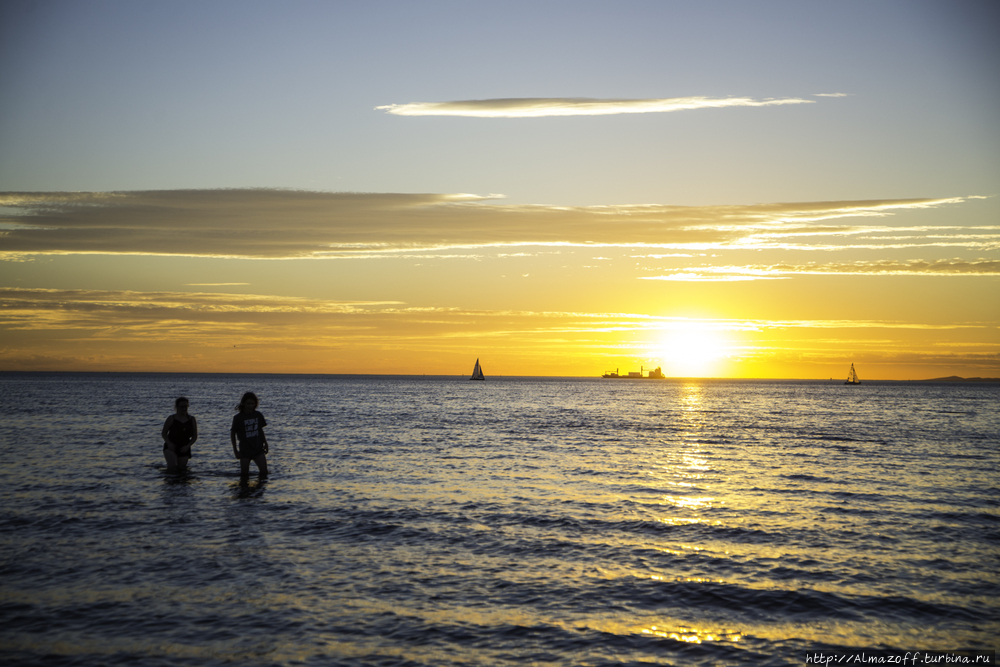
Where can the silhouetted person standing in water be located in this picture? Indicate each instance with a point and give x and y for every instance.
(179, 433)
(248, 429)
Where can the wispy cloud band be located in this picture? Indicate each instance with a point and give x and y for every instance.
(954, 267)
(34, 309)
(280, 224)
(537, 107)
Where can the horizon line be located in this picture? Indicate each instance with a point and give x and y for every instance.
(947, 378)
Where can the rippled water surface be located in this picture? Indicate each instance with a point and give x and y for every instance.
(436, 521)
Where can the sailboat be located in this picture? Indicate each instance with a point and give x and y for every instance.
(477, 372)
(852, 377)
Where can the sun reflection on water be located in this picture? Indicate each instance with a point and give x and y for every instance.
(683, 521)
(693, 635)
(704, 502)
(692, 396)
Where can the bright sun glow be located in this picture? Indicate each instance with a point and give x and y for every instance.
(692, 352)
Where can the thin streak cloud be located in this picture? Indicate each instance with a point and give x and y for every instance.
(697, 277)
(538, 107)
(955, 267)
(945, 267)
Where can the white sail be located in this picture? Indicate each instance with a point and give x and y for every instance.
(477, 372)
(852, 377)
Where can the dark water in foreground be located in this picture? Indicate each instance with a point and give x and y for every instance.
(413, 521)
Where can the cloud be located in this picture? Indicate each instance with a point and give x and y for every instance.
(283, 224)
(34, 309)
(914, 267)
(155, 304)
(537, 107)
(832, 95)
(701, 277)
(125, 315)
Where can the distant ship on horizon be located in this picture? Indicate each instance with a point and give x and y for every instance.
(477, 372)
(852, 377)
(656, 374)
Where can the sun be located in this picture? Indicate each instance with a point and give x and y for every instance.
(692, 351)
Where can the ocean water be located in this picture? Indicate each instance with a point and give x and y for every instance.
(436, 521)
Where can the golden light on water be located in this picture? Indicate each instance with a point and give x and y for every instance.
(692, 635)
(687, 521)
(693, 462)
(689, 503)
(691, 398)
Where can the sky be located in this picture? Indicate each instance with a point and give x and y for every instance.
(772, 189)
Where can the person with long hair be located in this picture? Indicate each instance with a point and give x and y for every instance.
(180, 431)
(248, 431)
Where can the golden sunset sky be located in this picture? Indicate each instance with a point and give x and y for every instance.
(722, 189)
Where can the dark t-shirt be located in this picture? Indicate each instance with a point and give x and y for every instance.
(247, 429)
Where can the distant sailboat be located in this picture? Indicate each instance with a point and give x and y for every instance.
(477, 372)
(852, 377)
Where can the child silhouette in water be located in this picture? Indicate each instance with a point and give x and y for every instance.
(248, 429)
(179, 433)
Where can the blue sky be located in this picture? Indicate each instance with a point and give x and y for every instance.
(125, 95)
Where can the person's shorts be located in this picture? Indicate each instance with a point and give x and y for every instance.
(188, 454)
(248, 451)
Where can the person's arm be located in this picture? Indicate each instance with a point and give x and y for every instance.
(166, 433)
(263, 439)
(232, 437)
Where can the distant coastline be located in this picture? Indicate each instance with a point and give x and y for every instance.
(955, 378)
